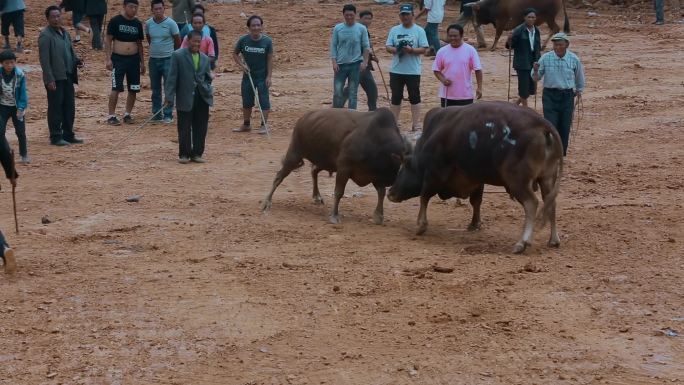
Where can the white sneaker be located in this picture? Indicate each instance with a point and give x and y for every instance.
(25, 160)
(168, 120)
(183, 160)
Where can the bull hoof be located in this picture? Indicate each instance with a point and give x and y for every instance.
(422, 228)
(266, 206)
(378, 219)
(520, 247)
(335, 219)
(318, 200)
(474, 226)
(554, 243)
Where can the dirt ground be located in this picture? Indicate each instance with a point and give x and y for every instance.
(193, 285)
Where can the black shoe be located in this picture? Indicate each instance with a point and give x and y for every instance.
(113, 121)
(128, 119)
(75, 140)
(60, 143)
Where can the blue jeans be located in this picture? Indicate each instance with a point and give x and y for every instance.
(659, 6)
(347, 71)
(367, 82)
(159, 72)
(432, 32)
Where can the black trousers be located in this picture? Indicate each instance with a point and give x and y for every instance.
(10, 112)
(192, 128)
(455, 102)
(3, 241)
(558, 107)
(412, 84)
(526, 85)
(96, 26)
(61, 111)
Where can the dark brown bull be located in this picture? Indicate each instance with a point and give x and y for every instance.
(365, 147)
(508, 14)
(496, 143)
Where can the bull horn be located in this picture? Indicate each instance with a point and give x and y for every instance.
(470, 5)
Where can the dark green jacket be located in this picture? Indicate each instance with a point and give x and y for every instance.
(53, 56)
(523, 55)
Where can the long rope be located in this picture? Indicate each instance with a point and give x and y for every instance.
(125, 138)
(579, 105)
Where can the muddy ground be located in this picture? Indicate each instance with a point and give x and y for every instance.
(193, 285)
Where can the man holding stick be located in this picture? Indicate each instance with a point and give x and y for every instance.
(366, 80)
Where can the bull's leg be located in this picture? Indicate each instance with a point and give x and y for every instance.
(291, 162)
(549, 196)
(378, 214)
(529, 201)
(422, 214)
(341, 180)
(317, 199)
(476, 202)
(499, 31)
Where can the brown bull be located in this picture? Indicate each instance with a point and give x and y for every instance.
(496, 143)
(365, 147)
(508, 14)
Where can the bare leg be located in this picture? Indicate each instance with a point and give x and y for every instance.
(340, 184)
(422, 215)
(530, 203)
(317, 199)
(379, 215)
(476, 202)
(523, 101)
(113, 100)
(130, 102)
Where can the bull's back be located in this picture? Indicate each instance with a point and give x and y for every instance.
(318, 135)
(546, 10)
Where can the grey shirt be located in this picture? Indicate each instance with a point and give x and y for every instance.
(348, 43)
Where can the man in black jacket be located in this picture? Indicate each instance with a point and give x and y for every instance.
(59, 64)
(525, 41)
(6, 253)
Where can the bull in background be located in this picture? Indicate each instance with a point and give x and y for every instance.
(508, 14)
(365, 147)
(496, 143)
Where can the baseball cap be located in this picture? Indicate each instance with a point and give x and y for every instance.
(560, 36)
(406, 8)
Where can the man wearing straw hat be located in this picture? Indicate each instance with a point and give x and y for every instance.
(562, 73)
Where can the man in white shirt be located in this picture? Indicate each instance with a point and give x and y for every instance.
(435, 15)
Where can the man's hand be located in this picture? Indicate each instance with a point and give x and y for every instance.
(168, 103)
(363, 66)
(336, 67)
(52, 86)
(142, 68)
(535, 65)
(21, 114)
(407, 49)
(80, 63)
(478, 93)
(268, 82)
(109, 65)
(13, 182)
(446, 82)
(578, 94)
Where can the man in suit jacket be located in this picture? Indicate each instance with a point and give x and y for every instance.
(189, 83)
(525, 41)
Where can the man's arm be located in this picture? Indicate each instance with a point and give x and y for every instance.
(171, 81)
(108, 46)
(176, 41)
(141, 52)
(365, 46)
(538, 70)
(333, 50)
(579, 77)
(478, 78)
(44, 55)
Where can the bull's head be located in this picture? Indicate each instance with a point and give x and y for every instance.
(409, 181)
(484, 11)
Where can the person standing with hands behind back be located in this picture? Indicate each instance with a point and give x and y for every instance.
(525, 41)
(257, 51)
(189, 83)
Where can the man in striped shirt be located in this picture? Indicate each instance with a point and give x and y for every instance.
(563, 78)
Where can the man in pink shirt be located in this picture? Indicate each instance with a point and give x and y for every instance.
(453, 67)
(206, 45)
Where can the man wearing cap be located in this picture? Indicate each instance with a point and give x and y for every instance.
(563, 76)
(406, 42)
(525, 41)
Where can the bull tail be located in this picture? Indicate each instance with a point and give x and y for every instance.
(550, 198)
(566, 21)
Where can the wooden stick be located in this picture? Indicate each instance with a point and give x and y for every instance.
(13, 180)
